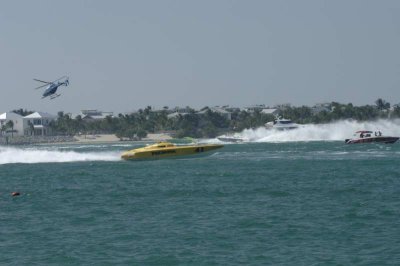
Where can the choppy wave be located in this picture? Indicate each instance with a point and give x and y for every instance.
(321, 132)
(32, 155)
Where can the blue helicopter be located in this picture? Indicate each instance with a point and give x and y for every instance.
(51, 89)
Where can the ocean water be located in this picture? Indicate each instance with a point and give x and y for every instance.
(259, 203)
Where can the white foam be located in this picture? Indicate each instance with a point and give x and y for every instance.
(336, 131)
(18, 155)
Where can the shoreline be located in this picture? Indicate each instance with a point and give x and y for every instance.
(87, 139)
(111, 138)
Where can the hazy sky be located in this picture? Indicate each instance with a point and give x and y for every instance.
(125, 55)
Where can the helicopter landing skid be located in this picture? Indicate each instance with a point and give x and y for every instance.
(55, 96)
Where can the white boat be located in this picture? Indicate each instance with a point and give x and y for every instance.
(281, 124)
(366, 136)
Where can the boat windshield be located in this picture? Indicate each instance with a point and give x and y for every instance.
(160, 145)
(164, 145)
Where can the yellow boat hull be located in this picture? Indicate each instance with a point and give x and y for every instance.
(169, 151)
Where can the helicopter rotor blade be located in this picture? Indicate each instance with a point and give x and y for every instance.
(42, 81)
(63, 77)
(42, 86)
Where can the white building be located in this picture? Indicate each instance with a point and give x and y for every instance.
(252, 109)
(321, 107)
(175, 115)
(17, 121)
(270, 111)
(223, 112)
(93, 115)
(38, 124)
(219, 110)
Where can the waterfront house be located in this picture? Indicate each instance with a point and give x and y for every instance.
(175, 115)
(224, 113)
(321, 107)
(17, 124)
(270, 111)
(254, 108)
(179, 111)
(38, 124)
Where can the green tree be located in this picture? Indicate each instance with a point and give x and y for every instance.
(22, 112)
(3, 128)
(141, 133)
(31, 128)
(10, 124)
(382, 104)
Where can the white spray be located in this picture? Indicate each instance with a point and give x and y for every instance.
(18, 155)
(337, 131)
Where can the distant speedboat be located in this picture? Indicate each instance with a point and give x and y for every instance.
(365, 136)
(166, 150)
(281, 124)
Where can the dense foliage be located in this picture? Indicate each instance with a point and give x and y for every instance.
(209, 123)
(22, 112)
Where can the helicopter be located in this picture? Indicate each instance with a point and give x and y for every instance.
(51, 89)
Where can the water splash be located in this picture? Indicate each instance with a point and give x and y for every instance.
(337, 131)
(19, 155)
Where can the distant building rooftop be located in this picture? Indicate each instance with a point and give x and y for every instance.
(271, 111)
(38, 115)
(93, 114)
(9, 115)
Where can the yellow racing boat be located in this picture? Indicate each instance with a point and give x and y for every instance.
(167, 150)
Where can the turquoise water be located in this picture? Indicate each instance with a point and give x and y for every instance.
(295, 203)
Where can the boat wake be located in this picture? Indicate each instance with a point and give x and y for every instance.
(10, 155)
(337, 131)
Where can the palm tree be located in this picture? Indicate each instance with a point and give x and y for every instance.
(10, 124)
(31, 127)
(3, 128)
(382, 104)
